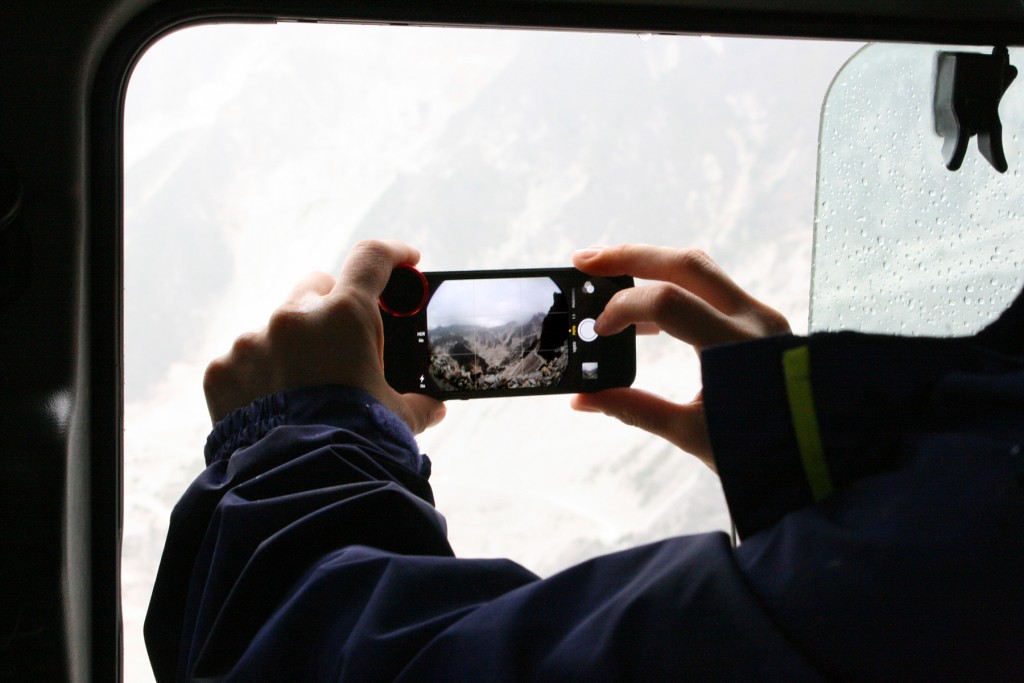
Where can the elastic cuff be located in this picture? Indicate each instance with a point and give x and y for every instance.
(245, 426)
(331, 405)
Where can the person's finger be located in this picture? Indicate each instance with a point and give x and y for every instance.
(419, 411)
(672, 309)
(369, 265)
(317, 283)
(681, 424)
(691, 269)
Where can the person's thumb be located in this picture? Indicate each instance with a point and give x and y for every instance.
(680, 424)
(420, 411)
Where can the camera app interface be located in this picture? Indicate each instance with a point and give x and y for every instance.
(498, 334)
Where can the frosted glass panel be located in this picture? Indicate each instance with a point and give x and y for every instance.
(902, 245)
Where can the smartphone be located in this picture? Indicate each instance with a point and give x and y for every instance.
(490, 333)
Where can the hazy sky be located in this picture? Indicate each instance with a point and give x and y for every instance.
(490, 302)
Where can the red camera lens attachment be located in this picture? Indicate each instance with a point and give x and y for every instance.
(406, 292)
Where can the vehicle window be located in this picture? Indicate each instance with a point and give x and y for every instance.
(902, 244)
(254, 154)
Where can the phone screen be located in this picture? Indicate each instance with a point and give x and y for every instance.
(505, 333)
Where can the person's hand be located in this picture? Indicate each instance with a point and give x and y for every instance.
(692, 299)
(328, 331)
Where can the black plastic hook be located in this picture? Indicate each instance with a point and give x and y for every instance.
(968, 89)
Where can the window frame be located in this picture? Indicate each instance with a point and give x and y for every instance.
(116, 43)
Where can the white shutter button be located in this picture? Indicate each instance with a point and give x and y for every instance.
(586, 330)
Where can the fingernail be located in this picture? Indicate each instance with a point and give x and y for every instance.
(590, 252)
(578, 404)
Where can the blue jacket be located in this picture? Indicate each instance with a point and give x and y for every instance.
(877, 483)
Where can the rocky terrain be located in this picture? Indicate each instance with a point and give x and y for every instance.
(466, 357)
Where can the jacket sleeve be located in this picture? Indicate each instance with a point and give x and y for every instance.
(794, 419)
(309, 550)
(879, 486)
(290, 480)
